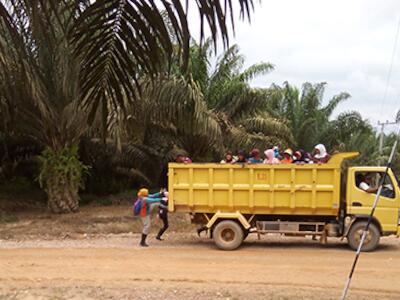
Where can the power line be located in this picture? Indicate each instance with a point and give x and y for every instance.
(378, 194)
(371, 215)
(389, 75)
(381, 135)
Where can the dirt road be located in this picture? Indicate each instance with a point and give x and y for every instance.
(184, 267)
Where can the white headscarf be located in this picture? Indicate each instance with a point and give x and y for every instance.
(322, 151)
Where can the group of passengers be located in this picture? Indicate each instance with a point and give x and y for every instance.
(274, 157)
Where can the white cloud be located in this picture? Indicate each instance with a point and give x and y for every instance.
(347, 44)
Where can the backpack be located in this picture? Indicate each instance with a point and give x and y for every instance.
(138, 206)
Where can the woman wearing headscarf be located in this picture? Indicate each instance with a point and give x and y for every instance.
(229, 159)
(270, 157)
(320, 156)
(301, 157)
(241, 157)
(255, 157)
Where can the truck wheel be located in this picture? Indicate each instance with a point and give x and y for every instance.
(228, 235)
(371, 240)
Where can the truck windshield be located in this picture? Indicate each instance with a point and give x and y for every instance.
(397, 177)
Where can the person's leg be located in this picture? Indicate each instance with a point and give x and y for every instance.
(164, 218)
(201, 229)
(146, 230)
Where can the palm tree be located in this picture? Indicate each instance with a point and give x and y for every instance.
(240, 109)
(64, 63)
(307, 118)
(350, 132)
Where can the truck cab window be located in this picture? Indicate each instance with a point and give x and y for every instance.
(369, 183)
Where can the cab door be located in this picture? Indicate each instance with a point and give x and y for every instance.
(360, 202)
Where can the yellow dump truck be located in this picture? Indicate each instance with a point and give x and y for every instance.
(233, 200)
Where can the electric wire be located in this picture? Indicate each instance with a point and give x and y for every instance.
(389, 75)
(371, 215)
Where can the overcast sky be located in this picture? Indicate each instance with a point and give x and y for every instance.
(346, 43)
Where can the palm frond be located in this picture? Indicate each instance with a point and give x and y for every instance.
(120, 40)
(334, 102)
(264, 124)
(254, 71)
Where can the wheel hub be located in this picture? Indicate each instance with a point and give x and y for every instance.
(228, 235)
(359, 236)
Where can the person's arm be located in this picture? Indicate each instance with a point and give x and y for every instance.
(325, 159)
(155, 195)
(366, 188)
(153, 200)
(322, 160)
(372, 190)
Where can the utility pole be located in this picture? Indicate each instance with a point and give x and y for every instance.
(383, 124)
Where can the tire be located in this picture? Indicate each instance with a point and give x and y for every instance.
(355, 233)
(228, 235)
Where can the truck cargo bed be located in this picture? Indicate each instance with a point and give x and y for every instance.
(257, 189)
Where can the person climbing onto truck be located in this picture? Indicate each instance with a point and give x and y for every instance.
(163, 214)
(270, 157)
(320, 155)
(364, 182)
(229, 159)
(143, 205)
(255, 157)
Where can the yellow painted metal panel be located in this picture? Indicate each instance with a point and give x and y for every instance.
(257, 189)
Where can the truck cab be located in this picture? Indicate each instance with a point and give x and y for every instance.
(359, 202)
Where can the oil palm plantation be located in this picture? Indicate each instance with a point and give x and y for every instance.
(64, 64)
(303, 109)
(350, 132)
(240, 109)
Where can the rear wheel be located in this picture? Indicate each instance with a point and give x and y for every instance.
(228, 235)
(356, 232)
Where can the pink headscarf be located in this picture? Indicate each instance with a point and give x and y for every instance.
(270, 157)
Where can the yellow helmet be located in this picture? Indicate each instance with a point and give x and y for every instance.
(143, 193)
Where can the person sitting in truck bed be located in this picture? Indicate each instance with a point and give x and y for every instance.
(241, 157)
(255, 157)
(301, 157)
(229, 159)
(320, 155)
(180, 158)
(364, 183)
(287, 157)
(270, 157)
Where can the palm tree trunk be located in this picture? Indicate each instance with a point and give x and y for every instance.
(62, 196)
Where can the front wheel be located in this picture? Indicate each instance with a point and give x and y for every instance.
(228, 235)
(355, 234)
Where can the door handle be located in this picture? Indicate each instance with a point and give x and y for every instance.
(356, 203)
